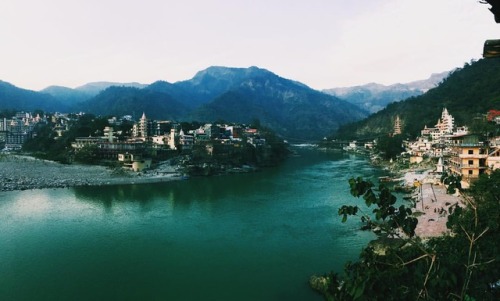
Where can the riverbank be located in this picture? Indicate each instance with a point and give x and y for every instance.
(431, 203)
(24, 172)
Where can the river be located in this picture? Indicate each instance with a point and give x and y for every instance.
(256, 236)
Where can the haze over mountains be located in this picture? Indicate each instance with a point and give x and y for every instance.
(468, 93)
(374, 97)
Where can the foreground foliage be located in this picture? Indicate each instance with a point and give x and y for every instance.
(401, 266)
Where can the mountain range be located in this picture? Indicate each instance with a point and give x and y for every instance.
(374, 97)
(292, 109)
(242, 95)
(468, 93)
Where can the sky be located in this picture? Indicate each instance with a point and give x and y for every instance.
(321, 43)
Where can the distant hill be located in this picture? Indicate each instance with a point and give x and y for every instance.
(95, 88)
(374, 97)
(66, 95)
(120, 101)
(293, 109)
(233, 95)
(12, 97)
(72, 97)
(466, 92)
(217, 93)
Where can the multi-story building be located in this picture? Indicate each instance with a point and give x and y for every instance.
(397, 126)
(468, 158)
(443, 129)
(14, 132)
(142, 128)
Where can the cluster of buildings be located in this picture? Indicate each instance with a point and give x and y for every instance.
(134, 149)
(17, 130)
(459, 152)
(159, 138)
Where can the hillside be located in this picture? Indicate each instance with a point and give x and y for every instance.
(217, 93)
(120, 101)
(234, 95)
(293, 109)
(66, 95)
(12, 97)
(94, 88)
(466, 92)
(72, 97)
(374, 97)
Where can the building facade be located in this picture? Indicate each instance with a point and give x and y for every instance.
(468, 158)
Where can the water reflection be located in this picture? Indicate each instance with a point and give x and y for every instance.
(270, 229)
(182, 193)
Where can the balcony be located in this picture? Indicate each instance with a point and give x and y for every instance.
(473, 166)
(473, 156)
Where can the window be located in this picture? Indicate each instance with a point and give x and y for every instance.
(470, 172)
(471, 152)
(471, 162)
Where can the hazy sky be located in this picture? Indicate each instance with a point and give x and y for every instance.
(322, 43)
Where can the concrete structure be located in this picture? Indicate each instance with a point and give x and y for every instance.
(134, 162)
(493, 160)
(397, 126)
(17, 130)
(468, 158)
(141, 128)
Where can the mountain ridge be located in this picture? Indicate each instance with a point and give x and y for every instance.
(466, 93)
(216, 93)
(373, 97)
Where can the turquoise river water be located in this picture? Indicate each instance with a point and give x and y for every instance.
(256, 236)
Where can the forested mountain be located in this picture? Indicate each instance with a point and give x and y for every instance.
(80, 94)
(66, 95)
(120, 101)
(374, 97)
(95, 88)
(14, 98)
(466, 93)
(234, 95)
(218, 93)
(295, 110)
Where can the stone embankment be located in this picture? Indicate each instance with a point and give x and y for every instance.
(24, 172)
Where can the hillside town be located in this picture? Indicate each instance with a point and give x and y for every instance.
(455, 150)
(214, 148)
(143, 148)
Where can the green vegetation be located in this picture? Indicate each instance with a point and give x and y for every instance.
(14, 98)
(467, 93)
(47, 145)
(120, 101)
(462, 266)
(390, 146)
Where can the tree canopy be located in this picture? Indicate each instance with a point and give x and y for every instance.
(464, 265)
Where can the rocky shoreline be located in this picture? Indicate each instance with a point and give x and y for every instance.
(24, 172)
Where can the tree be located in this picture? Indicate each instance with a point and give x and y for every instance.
(87, 155)
(390, 147)
(462, 266)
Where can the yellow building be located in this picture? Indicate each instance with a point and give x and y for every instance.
(134, 162)
(468, 158)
